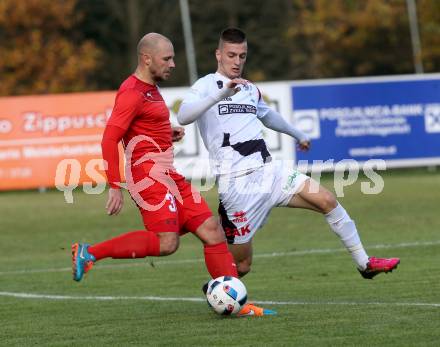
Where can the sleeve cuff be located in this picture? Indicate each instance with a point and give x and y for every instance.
(114, 185)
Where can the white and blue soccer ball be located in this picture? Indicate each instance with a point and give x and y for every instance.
(226, 295)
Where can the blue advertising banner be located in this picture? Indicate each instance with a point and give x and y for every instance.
(395, 120)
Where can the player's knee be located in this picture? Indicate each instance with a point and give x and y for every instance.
(211, 232)
(244, 267)
(169, 243)
(327, 202)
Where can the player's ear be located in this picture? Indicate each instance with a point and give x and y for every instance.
(147, 59)
(217, 55)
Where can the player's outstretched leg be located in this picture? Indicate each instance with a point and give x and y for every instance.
(376, 266)
(134, 244)
(82, 260)
(315, 197)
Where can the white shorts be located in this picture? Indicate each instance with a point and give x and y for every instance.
(247, 198)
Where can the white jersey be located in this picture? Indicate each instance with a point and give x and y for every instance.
(230, 129)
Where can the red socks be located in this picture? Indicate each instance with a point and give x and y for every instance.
(135, 244)
(139, 244)
(219, 260)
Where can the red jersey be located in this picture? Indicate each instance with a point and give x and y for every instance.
(166, 201)
(139, 110)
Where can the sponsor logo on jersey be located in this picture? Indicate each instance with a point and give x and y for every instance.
(152, 96)
(239, 217)
(236, 108)
(291, 181)
(232, 232)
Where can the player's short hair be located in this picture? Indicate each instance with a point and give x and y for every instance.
(232, 35)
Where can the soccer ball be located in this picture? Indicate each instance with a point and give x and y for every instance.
(226, 295)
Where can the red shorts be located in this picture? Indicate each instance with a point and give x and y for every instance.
(167, 202)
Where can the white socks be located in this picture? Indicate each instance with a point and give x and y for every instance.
(344, 227)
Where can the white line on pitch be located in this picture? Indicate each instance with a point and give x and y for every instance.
(97, 298)
(159, 298)
(198, 260)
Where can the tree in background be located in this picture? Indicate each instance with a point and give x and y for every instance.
(264, 23)
(429, 22)
(350, 38)
(72, 45)
(40, 51)
(303, 39)
(116, 26)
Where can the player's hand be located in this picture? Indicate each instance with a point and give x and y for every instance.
(115, 201)
(177, 133)
(304, 145)
(230, 89)
(233, 84)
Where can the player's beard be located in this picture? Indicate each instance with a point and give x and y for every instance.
(162, 77)
(159, 76)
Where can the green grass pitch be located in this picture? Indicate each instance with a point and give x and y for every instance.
(299, 267)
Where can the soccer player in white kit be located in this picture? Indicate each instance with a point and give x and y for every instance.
(230, 112)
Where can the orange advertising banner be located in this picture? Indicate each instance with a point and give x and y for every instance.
(52, 140)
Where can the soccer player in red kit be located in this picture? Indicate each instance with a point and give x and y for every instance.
(169, 205)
